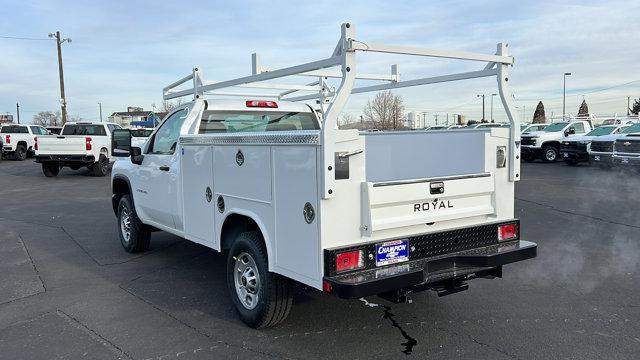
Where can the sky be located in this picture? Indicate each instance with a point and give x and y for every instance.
(124, 52)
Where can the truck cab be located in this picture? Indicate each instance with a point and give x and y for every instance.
(545, 144)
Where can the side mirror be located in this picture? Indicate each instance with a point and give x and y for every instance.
(136, 155)
(570, 131)
(121, 143)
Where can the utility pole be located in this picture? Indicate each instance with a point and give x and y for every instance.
(100, 104)
(628, 107)
(436, 116)
(564, 94)
(492, 95)
(482, 96)
(63, 101)
(18, 111)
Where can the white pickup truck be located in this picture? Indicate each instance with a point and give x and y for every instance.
(80, 144)
(545, 144)
(294, 199)
(20, 141)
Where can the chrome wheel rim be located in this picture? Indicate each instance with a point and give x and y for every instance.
(247, 280)
(125, 224)
(550, 154)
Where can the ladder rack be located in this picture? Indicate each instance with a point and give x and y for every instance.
(332, 100)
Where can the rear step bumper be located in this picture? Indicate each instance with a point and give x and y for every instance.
(67, 159)
(419, 274)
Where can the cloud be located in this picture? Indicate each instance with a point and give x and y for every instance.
(123, 53)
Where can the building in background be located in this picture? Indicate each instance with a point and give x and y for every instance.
(6, 119)
(136, 114)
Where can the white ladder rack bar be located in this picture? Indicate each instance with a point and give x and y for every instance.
(408, 50)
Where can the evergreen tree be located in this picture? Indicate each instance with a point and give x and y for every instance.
(539, 116)
(584, 109)
(635, 109)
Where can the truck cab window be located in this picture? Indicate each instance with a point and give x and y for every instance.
(166, 138)
(215, 121)
(579, 128)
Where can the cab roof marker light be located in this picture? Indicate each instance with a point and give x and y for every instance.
(262, 103)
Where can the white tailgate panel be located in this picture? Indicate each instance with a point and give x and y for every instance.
(69, 145)
(394, 206)
(295, 183)
(197, 175)
(249, 181)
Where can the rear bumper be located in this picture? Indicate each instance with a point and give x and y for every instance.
(419, 274)
(7, 148)
(66, 159)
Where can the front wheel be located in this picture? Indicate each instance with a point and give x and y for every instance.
(262, 298)
(50, 169)
(134, 235)
(549, 154)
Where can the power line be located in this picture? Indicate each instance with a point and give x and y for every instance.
(22, 38)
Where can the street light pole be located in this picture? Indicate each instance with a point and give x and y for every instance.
(63, 101)
(100, 104)
(564, 94)
(492, 95)
(482, 106)
(18, 111)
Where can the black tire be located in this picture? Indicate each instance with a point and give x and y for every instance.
(50, 169)
(101, 167)
(274, 295)
(21, 153)
(550, 154)
(139, 234)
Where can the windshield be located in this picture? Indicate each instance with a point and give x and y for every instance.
(81, 129)
(217, 121)
(556, 127)
(602, 130)
(631, 129)
(141, 132)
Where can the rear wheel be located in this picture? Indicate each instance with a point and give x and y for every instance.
(100, 167)
(262, 298)
(134, 235)
(50, 169)
(549, 154)
(20, 153)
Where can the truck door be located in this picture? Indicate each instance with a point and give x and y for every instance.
(157, 192)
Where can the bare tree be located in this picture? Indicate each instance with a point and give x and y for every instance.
(346, 119)
(167, 106)
(385, 111)
(47, 118)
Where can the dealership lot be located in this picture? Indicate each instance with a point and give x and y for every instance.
(69, 290)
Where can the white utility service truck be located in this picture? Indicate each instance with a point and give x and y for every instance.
(80, 144)
(294, 199)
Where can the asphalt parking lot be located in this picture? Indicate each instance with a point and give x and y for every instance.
(68, 290)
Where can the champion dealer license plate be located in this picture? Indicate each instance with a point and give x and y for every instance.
(392, 252)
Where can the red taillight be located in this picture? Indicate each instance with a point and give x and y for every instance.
(87, 143)
(262, 103)
(35, 145)
(7, 139)
(350, 260)
(507, 232)
(326, 286)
